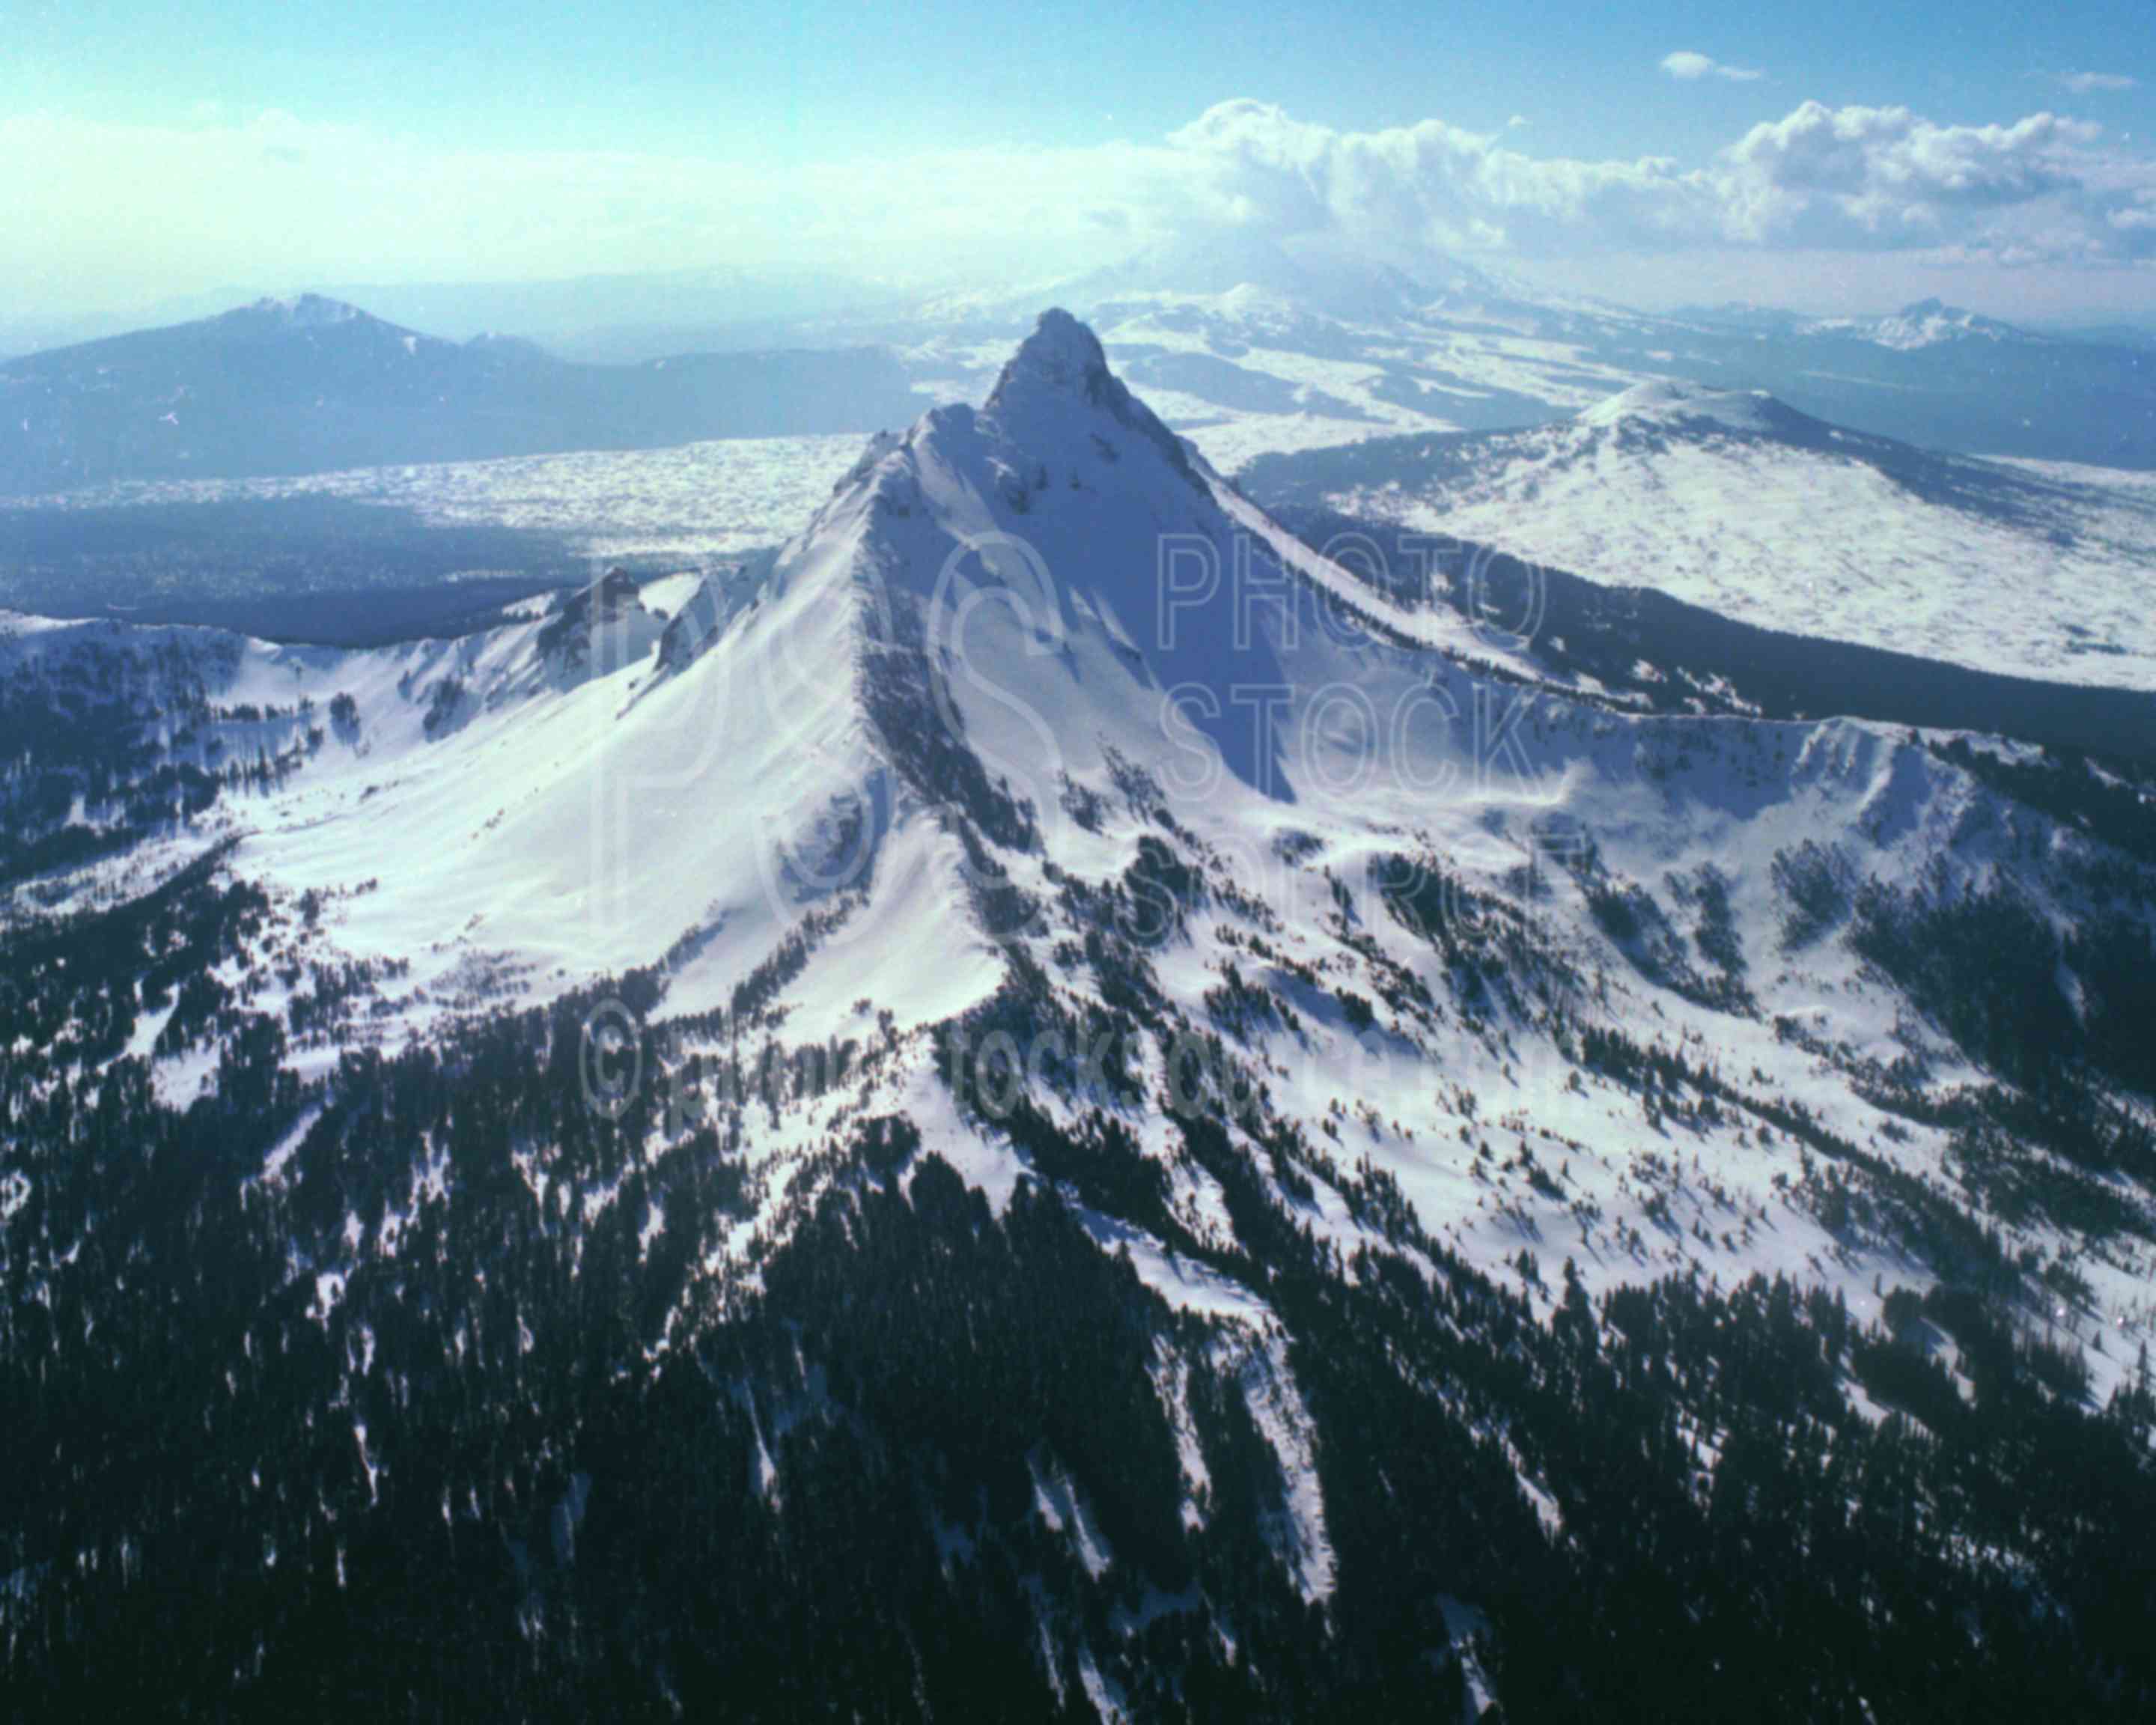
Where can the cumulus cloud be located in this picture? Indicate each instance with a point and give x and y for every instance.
(1689, 66)
(1848, 178)
(1859, 176)
(1431, 185)
(2085, 82)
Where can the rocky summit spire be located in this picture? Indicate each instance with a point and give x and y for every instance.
(1058, 373)
(1061, 357)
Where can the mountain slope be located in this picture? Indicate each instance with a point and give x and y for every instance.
(1733, 501)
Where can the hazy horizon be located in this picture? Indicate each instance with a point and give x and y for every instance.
(1655, 160)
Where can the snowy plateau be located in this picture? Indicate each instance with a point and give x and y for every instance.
(1733, 501)
(713, 499)
(1043, 811)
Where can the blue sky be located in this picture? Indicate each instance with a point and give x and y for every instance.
(162, 149)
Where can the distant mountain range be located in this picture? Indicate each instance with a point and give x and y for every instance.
(314, 384)
(1247, 348)
(1258, 350)
(1923, 323)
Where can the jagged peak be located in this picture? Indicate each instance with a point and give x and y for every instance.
(1059, 375)
(1061, 355)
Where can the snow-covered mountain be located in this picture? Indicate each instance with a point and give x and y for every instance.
(1924, 323)
(1735, 501)
(313, 384)
(1247, 346)
(973, 685)
(1302, 976)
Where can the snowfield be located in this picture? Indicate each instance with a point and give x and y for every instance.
(698, 500)
(1731, 501)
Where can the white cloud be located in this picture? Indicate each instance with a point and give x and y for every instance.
(1689, 66)
(1429, 185)
(1856, 177)
(2086, 83)
(1851, 178)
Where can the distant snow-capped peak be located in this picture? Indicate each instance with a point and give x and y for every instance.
(1925, 323)
(1672, 400)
